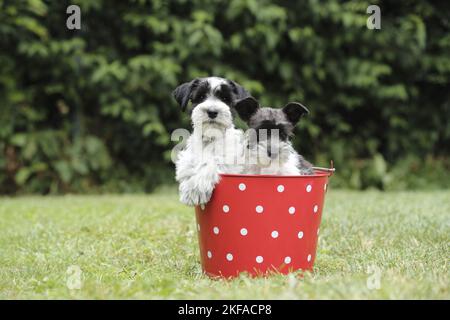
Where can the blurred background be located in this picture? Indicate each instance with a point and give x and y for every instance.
(91, 110)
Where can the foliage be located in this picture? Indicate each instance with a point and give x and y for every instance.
(91, 108)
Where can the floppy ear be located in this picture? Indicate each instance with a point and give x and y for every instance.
(183, 93)
(246, 107)
(239, 90)
(294, 111)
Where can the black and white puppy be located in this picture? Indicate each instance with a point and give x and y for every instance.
(269, 150)
(214, 146)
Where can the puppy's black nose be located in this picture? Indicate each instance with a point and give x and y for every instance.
(212, 114)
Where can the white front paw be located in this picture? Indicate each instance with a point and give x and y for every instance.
(204, 196)
(199, 188)
(195, 197)
(187, 198)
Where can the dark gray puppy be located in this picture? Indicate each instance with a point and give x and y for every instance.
(269, 150)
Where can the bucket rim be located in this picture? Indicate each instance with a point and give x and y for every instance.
(317, 174)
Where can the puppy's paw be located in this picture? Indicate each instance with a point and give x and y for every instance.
(198, 189)
(206, 188)
(186, 195)
(195, 195)
(205, 196)
(189, 196)
(186, 199)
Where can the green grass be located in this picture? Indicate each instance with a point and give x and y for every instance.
(145, 246)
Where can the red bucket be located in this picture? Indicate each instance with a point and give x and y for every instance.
(260, 223)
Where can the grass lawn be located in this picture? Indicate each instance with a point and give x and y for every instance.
(145, 246)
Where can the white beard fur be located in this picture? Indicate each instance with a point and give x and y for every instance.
(287, 163)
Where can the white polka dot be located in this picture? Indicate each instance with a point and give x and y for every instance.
(229, 257)
(202, 207)
(259, 209)
(287, 260)
(209, 254)
(198, 227)
(216, 230)
(226, 208)
(309, 257)
(316, 208)
(300, 235)
(242, 186)
(244, 231)
(259, 259)
(274, 234)
(308, 188)
(325, 187)
(292, 210)
(280, 188)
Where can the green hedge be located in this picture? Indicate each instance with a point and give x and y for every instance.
(91, 110)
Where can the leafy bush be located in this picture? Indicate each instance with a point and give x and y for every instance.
(91, 109)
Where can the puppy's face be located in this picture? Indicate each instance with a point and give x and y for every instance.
(273, 127)
(212, 101)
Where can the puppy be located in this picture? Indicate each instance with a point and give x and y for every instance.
(214, 146)
(269, 150)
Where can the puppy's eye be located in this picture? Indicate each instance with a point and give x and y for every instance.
(199, 98)
(225, 99)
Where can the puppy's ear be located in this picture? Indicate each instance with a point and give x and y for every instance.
(246, 108)
(294, 111)
(239, 90)
(183, 93)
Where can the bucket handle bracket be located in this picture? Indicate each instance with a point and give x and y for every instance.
(330, 170)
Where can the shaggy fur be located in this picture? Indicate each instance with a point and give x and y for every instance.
(269, 150)
(214, 146)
